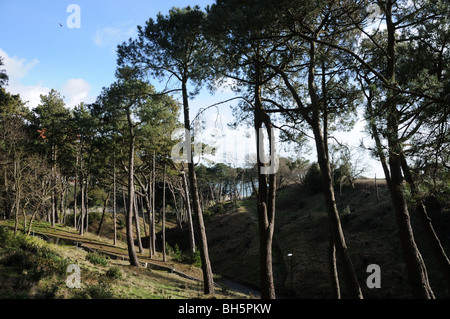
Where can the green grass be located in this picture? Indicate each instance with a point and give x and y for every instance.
(25, 276)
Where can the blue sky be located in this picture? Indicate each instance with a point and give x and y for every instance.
(40, 55)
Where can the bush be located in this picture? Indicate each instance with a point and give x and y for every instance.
(99, 291)
(196, 259)
(96, 259)
(114, 273)
(313, 179)
(7, 239)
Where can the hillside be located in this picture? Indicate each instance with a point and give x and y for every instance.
(36, 267)
(301, 228)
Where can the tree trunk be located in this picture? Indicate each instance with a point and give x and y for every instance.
(189, 215)
(320, 138)
(53, 197)
(114, 204)
(152, 229)
(149, 213)
(432, 238)
(138, 230)
(164, 217)
(83, 205)
(349, 274)
(75, 198)
(417, 273)
(105, 205)
(129, 218)
(87, 204)
(335, 288)
(208, 280)
(265, 195)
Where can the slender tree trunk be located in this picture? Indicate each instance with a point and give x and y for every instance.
(327, 182)
(189, 215)
(53, 197)
(421, 211)
(138, 230)
(87, 203)
(105, 205)
(335, 288)
(417, 273)
(265, 195)
(149, 212)
(129, 218)
(114, 204)
(208, 280)
(82, 204)
(75, 198)
(140, 203)
(18, 194)
(152, 229)
(64, 201)
(164, 218)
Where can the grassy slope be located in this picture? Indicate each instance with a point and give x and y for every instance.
(135, 283)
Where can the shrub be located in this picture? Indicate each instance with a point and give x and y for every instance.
(99, 291)
(96, 259)
(176, 253)
(313, 179)
(114, 273)
(7, 239)
(196, 259)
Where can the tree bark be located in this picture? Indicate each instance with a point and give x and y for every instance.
(105, 205)
(349, 274)
(320, 138)
(335, 288)
(164, 217)
(152, 229)
(114, 203)
(208, 279)
(432, 238)
(129, 218)
(189, 215)
(265, 195)
(82, 204)
(137, 225)
(417, 272)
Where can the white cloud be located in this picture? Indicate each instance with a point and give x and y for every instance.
(75, 91)
(17, 68)
(112, 36)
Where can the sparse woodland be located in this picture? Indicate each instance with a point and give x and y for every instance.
(308, 69)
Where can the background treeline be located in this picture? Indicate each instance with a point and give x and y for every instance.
(306, 68)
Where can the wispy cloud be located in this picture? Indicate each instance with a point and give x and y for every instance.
(75, 91)
(110, 37)
(17, 67)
